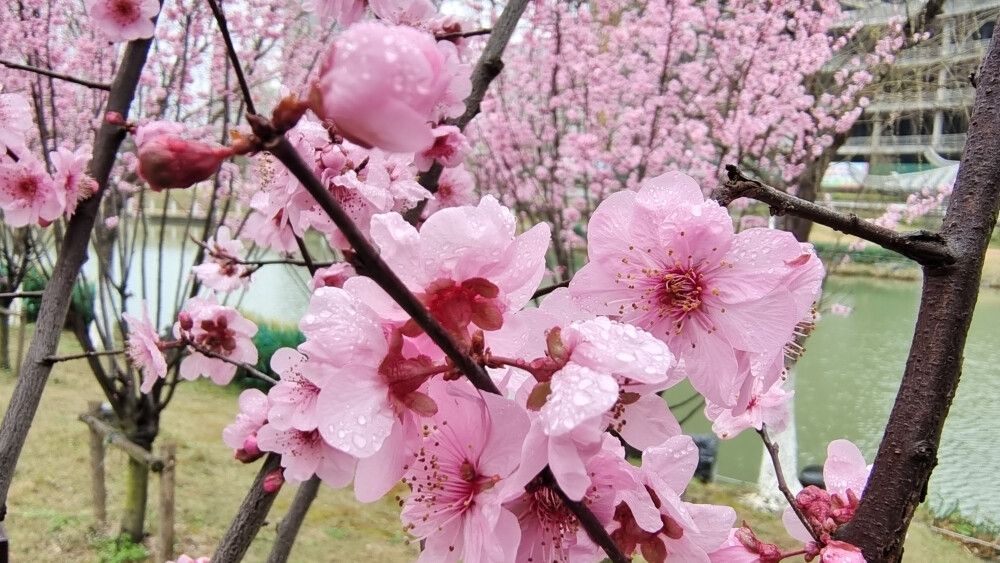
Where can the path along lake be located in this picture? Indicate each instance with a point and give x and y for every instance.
(844, 388)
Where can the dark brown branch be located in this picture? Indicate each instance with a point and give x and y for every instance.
(908, 451)
(289, 526)
(90, 354)
(250, 516)
(234, 59)
(924, 247)
(21, 294)
(772, 451)
(587, 519)
(543, 291)
(56, 299)
(461, 34)
(66, 77)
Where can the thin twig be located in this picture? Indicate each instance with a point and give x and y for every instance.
(772, 450)
(66, 77)
(587, 519)
(310, 265)
(233, 58)
(543, 291)
(91, 354)
(461, 34)
(924, 247)
(20, 294)
(250, 369)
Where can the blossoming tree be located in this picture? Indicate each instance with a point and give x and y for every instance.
(424, 364)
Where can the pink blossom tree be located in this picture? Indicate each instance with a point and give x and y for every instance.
(422, 363)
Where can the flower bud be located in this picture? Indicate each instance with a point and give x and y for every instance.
(273, 481)
(167, 161)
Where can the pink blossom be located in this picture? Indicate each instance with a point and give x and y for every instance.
(222, 270)
(667, 261)
(450, 149)
(456, 187)
(465, 264)
(744, 547)
(167, 160)
(841, 310)
(689, 531)
(471, 448)
(379, 83)
(333, 276)
(218, 329)
(243, 432)
(143, 349)
(15, 120)
(27, 193)
(111, 222)
(185, 559)
(764, 407)
(124, 20)
(71, 176)
(344, 12)
(841, 552)
(293, 399)
(304, 454)
(403, 12)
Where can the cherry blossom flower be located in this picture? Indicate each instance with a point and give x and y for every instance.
(304, 454)
(687, 531)
(185, 559)
(27, 193)
(15, 120)
(124, 20)
(222, 270)
(344, 12)
(770, 407)
(293, 398)
(241, 435)
(218, 329)
(71, 176)
(333, 276)
(379, 83)
(667, 261)
(143, 349)
(456, 187)
(471, 447)
(465, 264)
(450, 149)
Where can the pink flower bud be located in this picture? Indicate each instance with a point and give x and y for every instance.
(379, 85)
(167, 161)
(273, 481)
(249, 452)
(185, 320)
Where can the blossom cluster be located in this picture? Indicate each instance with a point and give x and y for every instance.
(671, 292)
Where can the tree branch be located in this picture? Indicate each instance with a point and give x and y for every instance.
(462, 34)
(908, 451)
(66, 77)
(772, 451)
(289, 526)
(250, 516)
(91, 354)
(924, 247)
(56, 298)
(233, 58)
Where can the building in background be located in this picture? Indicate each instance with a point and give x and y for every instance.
(912, 134)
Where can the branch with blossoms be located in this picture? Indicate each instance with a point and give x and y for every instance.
(924, 247)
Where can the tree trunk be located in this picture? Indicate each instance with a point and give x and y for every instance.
(136, 489)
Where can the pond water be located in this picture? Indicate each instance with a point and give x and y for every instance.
(845, 382)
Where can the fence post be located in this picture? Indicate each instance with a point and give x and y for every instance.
(166, 520)
(97, 467)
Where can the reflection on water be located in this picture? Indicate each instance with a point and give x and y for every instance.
(847, 380)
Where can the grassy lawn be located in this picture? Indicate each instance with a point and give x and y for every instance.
(50, 515)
